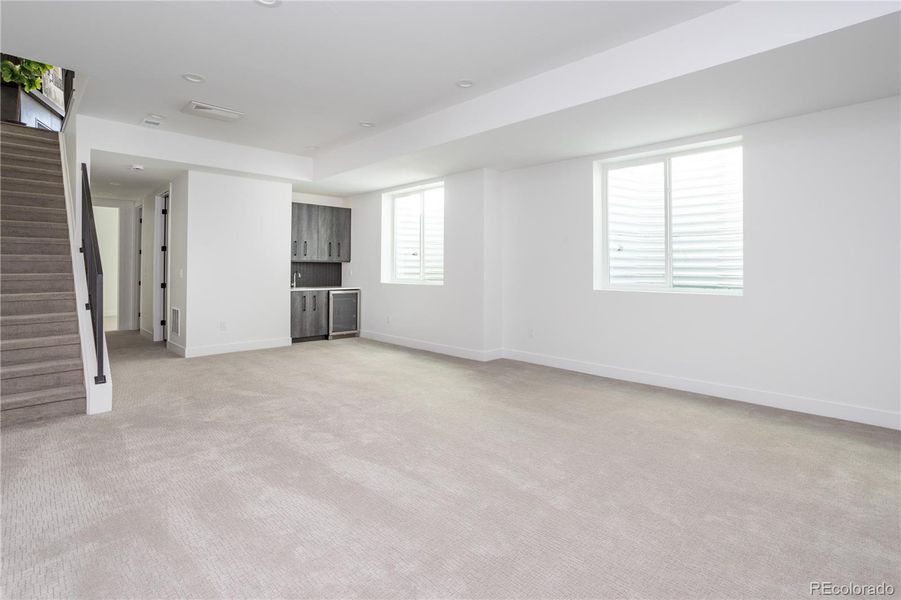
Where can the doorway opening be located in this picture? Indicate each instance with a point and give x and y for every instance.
(106, 219)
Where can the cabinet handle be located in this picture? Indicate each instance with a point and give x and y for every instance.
(304, 300)
(294, 251)
(314, 302)
(304, 248)
(329, 248)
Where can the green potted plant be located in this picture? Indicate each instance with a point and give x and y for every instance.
(19, 76)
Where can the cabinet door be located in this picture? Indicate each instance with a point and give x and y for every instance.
(317, 311)
(297, 314)
(341, 228)
(308, 232)
(295, 231)
(327, 245)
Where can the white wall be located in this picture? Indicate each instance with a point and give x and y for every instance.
(177, 256)
(237, 268)
(320, 199)
(817, 329)
(447, 318)
(106, 219)
(99, 394)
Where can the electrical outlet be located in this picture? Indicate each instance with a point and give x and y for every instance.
(223, 326)
(388, 319)
(531, 333)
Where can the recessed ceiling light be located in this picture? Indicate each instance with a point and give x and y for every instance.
(312, 148)
(193, 77)
(269, 3)
(465, 83)
(137, 167)
(367, 124)
(156, 117)
(115, 183)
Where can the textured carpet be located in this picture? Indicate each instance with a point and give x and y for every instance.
(357, 469)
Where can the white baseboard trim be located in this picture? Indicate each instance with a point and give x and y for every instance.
(194, 351)
(458, 351)
(177, 348)
(495, 354)
(146, 334)
(802, 404)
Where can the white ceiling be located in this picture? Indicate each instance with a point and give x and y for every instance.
(395, 63)
(306, 73)
(847, 66)
(109, 168)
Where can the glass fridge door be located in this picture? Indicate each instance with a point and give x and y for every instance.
(345, 313)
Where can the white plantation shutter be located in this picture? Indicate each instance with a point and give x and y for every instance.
(418, 235)
(675, 221)
(636, 229)
(407, 237)
(433, 236)
(707, 219)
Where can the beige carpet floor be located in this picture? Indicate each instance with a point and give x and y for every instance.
(353, 469)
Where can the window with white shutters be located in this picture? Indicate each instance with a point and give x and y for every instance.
(417, 235)
(672, 221)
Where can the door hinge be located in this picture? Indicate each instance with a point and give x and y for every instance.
(163, 285)
(163, 248)
(139, 282)
(140, 220)
(139, 252)
(163, 322)
(165, 211)
(139, 313)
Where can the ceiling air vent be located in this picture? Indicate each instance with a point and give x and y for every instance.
(152, 120)
(202, 109)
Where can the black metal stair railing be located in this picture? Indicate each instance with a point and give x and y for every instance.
(93, 269)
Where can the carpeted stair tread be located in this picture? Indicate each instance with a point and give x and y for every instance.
(39, 342)
(21, 146)
(25, 130)
(19, 139)
(14, 159)
(35, 296)
(39, 397)
(25, 171)
(43, 367)
(23, 198)
(32, 276)
(37, 318)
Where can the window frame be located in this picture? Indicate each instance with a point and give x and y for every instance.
(601, 236)
(392, 233)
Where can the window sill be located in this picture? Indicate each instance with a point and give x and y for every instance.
(678, 291)
(425, 283)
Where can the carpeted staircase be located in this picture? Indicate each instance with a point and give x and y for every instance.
(40, 354)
